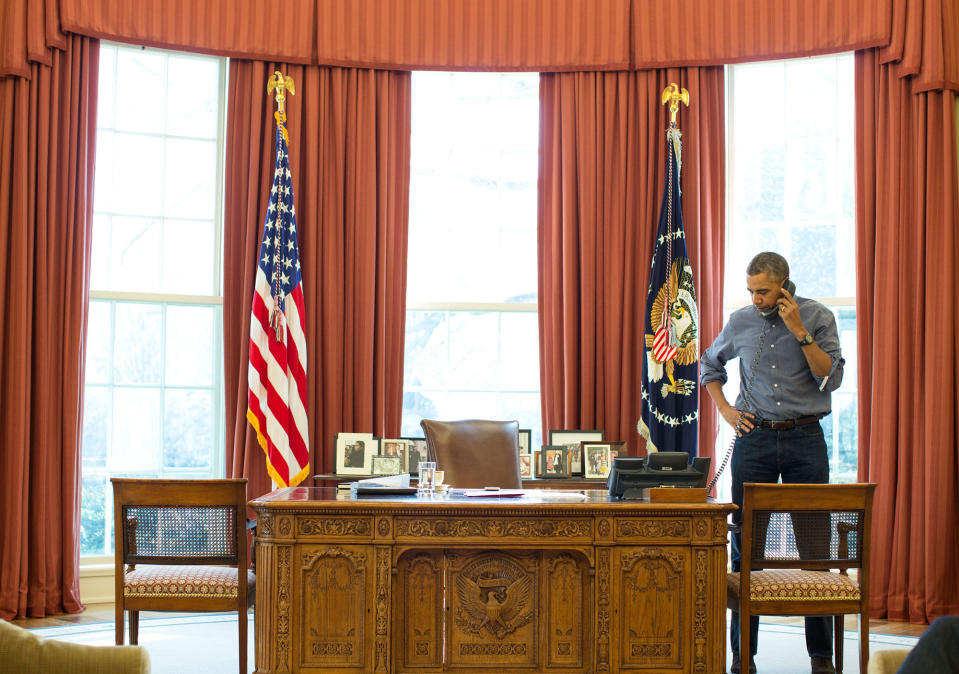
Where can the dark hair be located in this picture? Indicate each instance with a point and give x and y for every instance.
(770, 263)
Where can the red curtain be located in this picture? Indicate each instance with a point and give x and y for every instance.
(47, 135)
(532, 35)
(908, 331)
(601, 174)
(349, 156)
(248, 29)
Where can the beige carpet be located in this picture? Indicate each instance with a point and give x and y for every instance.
(207, 644)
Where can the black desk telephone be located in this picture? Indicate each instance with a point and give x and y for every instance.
(790, 287)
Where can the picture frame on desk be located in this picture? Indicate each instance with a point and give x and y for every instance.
(596, 459)
(416, 451)
(573, 440)
(354, 453)
(386, 465)
(537, 462)
(554, 460)
(525, 466)
(525, 440)
(616, 449)
(396, 447)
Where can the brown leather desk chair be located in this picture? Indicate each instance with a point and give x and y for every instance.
(182, 542)
(793, 536)
(475, 453)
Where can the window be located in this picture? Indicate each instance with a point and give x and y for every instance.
(791, 189)
(472, 336)
(153, 403)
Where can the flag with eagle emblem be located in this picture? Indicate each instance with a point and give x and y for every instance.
(670, 408)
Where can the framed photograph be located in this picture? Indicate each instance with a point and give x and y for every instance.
(555, 461)
(416, 451)
(537, 463)
(525, 466)
(386, 465)
(525, 440)
(573, 441)
(596, 459)
(616, 449)
(396, 447)
(355, 452)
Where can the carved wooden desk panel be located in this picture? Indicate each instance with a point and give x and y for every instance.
(538, 584)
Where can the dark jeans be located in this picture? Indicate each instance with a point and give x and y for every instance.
(766, 455)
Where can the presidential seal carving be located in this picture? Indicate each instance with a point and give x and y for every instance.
(495, 595)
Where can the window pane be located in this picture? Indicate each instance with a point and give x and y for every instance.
(139, 329)
(188, 428)
(103, 183)
(98, 343)
(427, 345)
(137, 175)
(474, 345)
(188, 249)
(189, 346)
(93, 514)
(135, 259)
(140, 91)
(474, 141)
(192, 97)
(96, 426)
(190, 175)
(136, 430)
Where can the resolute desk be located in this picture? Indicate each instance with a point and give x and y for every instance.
(549, 582)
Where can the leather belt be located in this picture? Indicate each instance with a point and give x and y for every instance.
(786, 424)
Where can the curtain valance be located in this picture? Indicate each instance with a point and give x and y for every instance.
(533, 35)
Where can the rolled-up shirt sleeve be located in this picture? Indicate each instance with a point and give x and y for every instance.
(826, 335)
(712, 364)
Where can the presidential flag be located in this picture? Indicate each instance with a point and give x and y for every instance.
(670, 410)
(277, 377)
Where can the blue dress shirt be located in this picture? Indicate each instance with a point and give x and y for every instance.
(784, 386)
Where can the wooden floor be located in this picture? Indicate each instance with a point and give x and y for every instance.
(99, 613)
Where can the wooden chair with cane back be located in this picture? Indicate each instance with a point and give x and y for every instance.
(799, 542)
(181, 545)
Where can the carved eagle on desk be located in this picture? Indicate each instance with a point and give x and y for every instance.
(495, 603)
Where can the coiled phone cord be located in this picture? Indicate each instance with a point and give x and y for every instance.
(747, 403)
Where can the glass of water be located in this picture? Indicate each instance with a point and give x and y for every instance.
(427, 481)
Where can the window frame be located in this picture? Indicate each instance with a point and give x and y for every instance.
(164, 300)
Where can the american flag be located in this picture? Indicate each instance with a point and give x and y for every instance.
(277, 397)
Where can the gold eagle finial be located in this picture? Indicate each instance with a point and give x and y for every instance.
(281, 84)
(673, 95)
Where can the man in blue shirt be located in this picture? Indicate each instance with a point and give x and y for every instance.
(789, 364)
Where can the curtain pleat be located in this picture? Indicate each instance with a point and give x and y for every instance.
(47, 136)
(908, 338)
(349, 156)
(601, 174)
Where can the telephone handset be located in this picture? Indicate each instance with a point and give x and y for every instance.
(790, 287)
